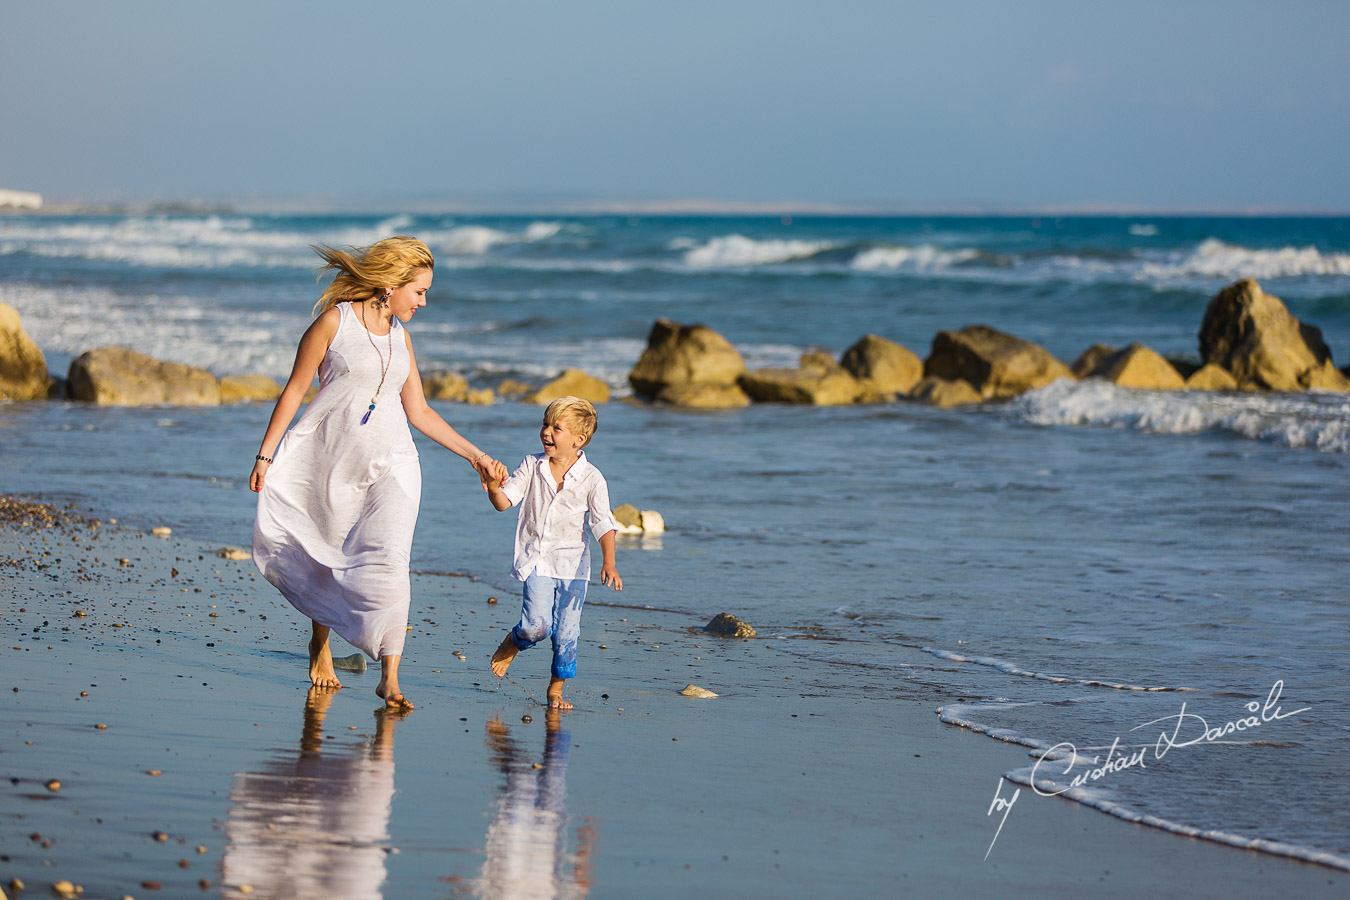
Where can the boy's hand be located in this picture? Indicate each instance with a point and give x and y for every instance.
(610, 576)
(490, 471)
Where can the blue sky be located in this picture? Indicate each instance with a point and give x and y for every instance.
(964, 105)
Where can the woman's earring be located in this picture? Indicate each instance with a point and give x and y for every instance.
(383, 301)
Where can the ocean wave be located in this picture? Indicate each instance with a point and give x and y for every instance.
(737, 250)
(923, 258)
(1314, 420)
(1008, 668)
(1214, 258)
(1103, 798)
(476, 240)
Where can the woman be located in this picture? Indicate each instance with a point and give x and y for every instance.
(338, 495)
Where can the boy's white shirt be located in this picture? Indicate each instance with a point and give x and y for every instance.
(551, 526)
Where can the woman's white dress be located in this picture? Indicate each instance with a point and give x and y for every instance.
(339, 503)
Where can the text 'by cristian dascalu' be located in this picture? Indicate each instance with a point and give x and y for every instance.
(1186, 730)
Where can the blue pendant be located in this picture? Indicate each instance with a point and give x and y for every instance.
(366, 417)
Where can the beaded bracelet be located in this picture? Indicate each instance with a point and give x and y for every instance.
(266, 459)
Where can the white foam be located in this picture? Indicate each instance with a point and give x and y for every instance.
(475, 240)
(1313, 419)
(1009, 668)
(923, 258)
(737, 250)
(1217, 259)
(1144, 230)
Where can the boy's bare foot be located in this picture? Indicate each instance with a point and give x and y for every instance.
(321, 672)
(555, 697)
(506, 651)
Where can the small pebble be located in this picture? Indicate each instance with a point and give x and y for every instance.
(160, 836)
(151, 885)
(84, 693)
(538, 765)
(161, 531)
(16, 885)
(492, 600)
(66, 889)
(526, 719)
(184, 864)
(245, 888)
(153, 772)
(101, 727)
(604, 646)
(204, 884)
(201, 848)
(53, 785)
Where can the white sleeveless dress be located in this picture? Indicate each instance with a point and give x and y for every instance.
(338, 506)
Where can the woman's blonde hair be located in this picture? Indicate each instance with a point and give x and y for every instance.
(365, 271)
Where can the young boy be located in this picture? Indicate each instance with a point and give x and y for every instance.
(560, 493)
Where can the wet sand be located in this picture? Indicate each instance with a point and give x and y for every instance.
(176, 716)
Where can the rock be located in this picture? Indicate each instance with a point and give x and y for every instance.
(727, 625)
(248, 389)
(1089, 359)
(693, 690)
(1253, 335)
(834, 387)
(354, 663)
(997, 365)
(161, 531)
(1139, 367)
(653, 522)
(684, 354)
(629, 519)
(233, 553)
(882, 366)
(945, 393)
(571, 383)
(53, 785)
(704, 396)
(66, 889)
(445, 385)
(23, 368)
(115, 376)
(483, 397)
(817, 361)
(1210, 377)
(510, 388)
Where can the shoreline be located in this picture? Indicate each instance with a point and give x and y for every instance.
(792, 781)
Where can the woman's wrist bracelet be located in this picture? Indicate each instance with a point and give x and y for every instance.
(261, 458)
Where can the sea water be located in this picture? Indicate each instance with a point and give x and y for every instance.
(1149, 588)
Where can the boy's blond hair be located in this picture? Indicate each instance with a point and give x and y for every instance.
(580, 413)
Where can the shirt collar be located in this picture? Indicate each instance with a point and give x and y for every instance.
(578, 468)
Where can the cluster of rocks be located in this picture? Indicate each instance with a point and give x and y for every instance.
(1248, 341)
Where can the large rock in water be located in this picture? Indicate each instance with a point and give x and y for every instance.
(883, 366)
(704, 396)
(23, 368)
(1138, 367)
(444, 385)
(679, 355)
(728, 625)
(815, 386)
(571, 383)
(1210, 377)
(116, 376)
(248, 389)
(997, 365)
(944, 393)
(1254, 337)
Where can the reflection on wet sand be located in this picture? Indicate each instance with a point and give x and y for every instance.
(527, 841)
(316, 824)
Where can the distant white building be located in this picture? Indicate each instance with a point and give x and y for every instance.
(20, 199)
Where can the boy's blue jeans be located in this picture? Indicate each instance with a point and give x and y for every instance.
(552, 607)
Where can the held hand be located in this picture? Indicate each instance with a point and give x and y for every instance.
(490, 471)
(610, 576)
(255, 481)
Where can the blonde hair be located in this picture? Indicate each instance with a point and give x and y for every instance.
(365, 271)
(580, 413)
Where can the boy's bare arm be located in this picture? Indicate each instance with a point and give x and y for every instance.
(500, 501)
(609, 573)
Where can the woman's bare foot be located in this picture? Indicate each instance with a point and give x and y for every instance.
(387, 690)
(506, 651)
(555, 697)
(321, 672)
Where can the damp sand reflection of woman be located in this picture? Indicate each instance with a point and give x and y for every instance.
(338, 494)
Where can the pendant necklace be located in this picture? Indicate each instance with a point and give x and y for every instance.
(384, 364)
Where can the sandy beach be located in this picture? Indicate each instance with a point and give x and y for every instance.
(163, 687)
